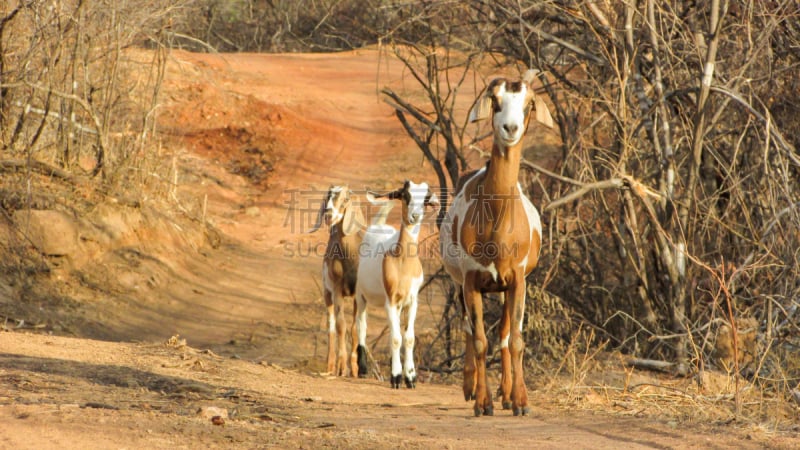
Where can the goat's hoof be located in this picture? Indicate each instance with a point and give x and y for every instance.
(396, 381)
(469, 394)
(411, 382)
(522, 411)
(507, 404)
(362, 361)
(487, 411)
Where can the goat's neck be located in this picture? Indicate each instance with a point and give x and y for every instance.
(503, 171)
(407, 241)
(349, 243)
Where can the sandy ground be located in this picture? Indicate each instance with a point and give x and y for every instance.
(217, 341)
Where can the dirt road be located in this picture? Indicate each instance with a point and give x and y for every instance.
(77, 393)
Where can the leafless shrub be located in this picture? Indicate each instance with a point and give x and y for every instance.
(76, 97)
(284, 25)
(681, 107)
(78, 108)
(675, 206)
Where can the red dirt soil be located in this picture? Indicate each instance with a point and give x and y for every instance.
(230, 324)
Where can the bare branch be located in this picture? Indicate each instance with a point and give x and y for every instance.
(36, 166)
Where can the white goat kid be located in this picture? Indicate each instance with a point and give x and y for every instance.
(390, 274)
(339, 269)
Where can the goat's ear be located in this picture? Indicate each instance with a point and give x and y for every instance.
(375, 197)
(481, 108)
(319, 215)
(353, 220)
(530, 75)
(432, 200)
(542, 112)
(346, 197)
(394, 195)
(372, 196)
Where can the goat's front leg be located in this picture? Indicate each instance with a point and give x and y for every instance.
(331, 332)
(341, 352)
(474, 302)
(409, 370)
(395, 341)
(360, 351)
(515, 305)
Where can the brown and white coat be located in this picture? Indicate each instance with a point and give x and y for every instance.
(490, 240)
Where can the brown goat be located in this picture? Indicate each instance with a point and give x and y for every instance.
(490, 240)
(339, 269)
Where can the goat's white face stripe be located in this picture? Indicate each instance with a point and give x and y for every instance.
(509, 121)
(333, 195)
(416, 205)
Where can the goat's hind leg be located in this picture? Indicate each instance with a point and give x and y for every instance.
(470, 381)
(354, 371)
(505, 356)
(341, 353)
(395, 341)
(409, 369)
(331, 332)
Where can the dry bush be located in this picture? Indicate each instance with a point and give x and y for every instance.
(78, 100)
(283, 25)
(704, 226)
(674, 211)
(78, 109)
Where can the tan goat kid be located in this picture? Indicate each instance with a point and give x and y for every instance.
(490, 240)
(339, 269)
(390, 275)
